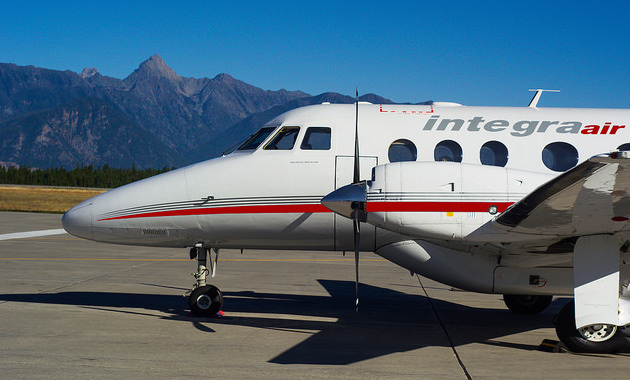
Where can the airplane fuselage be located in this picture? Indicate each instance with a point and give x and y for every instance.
(473, 197)
(268, 196)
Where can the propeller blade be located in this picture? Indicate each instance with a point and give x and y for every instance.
(351, 201)
(357, 243)
(358, 207)
(355, 177)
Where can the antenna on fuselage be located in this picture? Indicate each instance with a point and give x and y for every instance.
(534, 102)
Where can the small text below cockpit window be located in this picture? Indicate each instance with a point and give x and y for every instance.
(284, 139)
(316, 138)
(256, 139)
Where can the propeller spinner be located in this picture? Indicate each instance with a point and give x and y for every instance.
(348, 201)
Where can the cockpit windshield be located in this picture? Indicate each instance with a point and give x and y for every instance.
(284, 139)
(316, 138)
(256, 139)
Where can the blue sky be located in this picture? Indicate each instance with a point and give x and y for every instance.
(475, 53)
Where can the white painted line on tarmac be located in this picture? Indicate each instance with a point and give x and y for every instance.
(31, 234)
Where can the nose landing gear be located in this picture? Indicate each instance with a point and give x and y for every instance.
(204, 300)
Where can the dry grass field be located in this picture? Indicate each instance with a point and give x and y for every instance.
(43, 199)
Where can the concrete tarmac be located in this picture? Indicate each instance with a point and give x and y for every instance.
(71, 308)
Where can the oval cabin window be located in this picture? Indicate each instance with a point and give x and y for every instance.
(493, 153)
(402, 150)
(448, 150)
(560, 156)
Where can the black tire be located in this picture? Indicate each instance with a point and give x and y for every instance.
(624, 332)
(205, 301)
(610, 339)
(523, 304)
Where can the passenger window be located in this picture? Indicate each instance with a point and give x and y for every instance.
(448, 150)
(560, 156)
(316, 138)
(256, 139)
(493, 153)
(402, 150)
(284, 139)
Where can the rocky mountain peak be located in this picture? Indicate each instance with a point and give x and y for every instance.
(154, 67)
(224, 78)
(88, 73)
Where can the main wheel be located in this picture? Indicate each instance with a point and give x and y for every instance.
(624, 332)
(523, 304)
(205, 301)
(599, 338)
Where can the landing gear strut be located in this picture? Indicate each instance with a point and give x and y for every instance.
(204, 300)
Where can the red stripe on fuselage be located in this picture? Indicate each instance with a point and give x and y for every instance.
(271, 209)
(318, 208)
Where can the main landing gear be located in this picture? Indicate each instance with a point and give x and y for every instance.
(204, 300)
(600, 338)
(526, 304)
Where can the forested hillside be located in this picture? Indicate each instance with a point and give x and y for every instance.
(86, 176)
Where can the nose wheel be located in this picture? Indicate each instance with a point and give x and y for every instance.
(205, 301)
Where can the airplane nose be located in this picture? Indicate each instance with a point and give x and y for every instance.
(78, 220)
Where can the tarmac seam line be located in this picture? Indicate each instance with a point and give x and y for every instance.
(448, 336)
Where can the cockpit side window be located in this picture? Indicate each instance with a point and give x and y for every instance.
(256, 139)
(284, 139)
(316, 138)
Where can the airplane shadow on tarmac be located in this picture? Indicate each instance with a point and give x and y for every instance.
(387, 322)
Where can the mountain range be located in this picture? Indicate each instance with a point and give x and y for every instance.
(153, 118)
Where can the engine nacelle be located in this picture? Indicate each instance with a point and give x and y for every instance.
(475, 272)
(435, 200)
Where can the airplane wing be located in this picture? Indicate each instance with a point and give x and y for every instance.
(592, 198)
(590, 202)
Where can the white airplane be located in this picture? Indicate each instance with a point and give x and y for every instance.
(526, 202)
